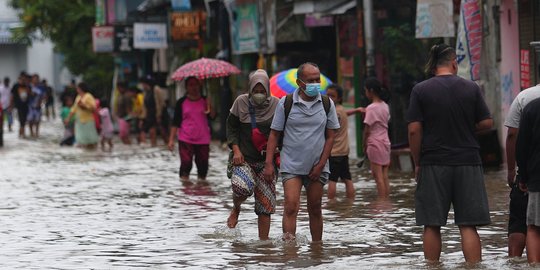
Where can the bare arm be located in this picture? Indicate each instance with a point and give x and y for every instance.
(365, 135)
(511, 138)
(171, 137)
(415, 141)
(356, 110)
(269, 172)
(485, 124)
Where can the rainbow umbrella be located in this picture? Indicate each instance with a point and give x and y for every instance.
(284, 83)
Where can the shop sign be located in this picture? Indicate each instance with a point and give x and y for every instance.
(246, 31)
(102, 38)
(123, 38)
(525, 69)
(434, 18)
(150, 35)
(187, 25)
(469, 40)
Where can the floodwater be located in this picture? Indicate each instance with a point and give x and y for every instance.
(69, 208)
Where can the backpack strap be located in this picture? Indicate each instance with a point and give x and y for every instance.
(326, 104)
(288, 106)
(252, 115)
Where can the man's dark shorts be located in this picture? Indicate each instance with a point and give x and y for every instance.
(339, 168)
(462, 187)
(517, 222)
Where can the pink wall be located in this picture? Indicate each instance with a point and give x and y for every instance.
(509, 57)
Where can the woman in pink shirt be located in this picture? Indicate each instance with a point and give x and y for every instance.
(376, 142)
(190, 126)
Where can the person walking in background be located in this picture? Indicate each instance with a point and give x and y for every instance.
(444, 113)
(528, 161)
(190, 127)
(517, 221)
(154, 103)
(20, 98)
(339, 157)
(107, 130)
(5, 99)
(37, 99)
(69, 126)
(49, 100)
(83, 110)
(375, 138)
(308, 134)
(124, 107)
(248, 127)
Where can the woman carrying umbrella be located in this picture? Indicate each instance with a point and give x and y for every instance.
(248, 127)
(83, 109)
(190, 127)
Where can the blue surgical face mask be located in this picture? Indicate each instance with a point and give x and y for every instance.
(312, 89)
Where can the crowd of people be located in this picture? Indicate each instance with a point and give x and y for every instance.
(302, 140)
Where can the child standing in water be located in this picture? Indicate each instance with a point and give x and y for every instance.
(69, 127)
(106, 124)
(375, 138)
(339, 157)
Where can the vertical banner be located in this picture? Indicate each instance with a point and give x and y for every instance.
(150, 35)
(525, 69)
(434, 18)
(469, 40)
(111, 11)
(100, 12)
(267, 26)
(102, 38)
(246, 31)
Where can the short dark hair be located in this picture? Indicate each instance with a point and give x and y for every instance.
(373, 85)
(300, 72)
(193, 78)
(339, 90)
(439, 55)
(83, 86)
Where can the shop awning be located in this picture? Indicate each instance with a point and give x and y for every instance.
(335, 7)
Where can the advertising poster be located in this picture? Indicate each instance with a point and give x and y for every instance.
(245, 31)
(434, 19)
(150, 35)
(102, 38)
(469, 40)
(123, 38)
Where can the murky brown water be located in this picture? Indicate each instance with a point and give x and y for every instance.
(68, 208)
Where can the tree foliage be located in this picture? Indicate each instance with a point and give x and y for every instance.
(68, 25)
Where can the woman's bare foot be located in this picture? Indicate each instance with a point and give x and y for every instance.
(233, 218)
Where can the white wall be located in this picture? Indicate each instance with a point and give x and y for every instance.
(40, 60)
(12, 60)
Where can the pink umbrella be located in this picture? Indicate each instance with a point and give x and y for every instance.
(205, 68)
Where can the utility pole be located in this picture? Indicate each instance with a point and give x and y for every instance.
(369, 36)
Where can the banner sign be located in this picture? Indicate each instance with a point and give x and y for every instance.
(187, 25)
(123, 38)
(469, 40)
(434, 18)
(150, 35)
(102, 38)
(100, 12)
(181, 5)
(267, 26)
(525, 69)
(246, 31)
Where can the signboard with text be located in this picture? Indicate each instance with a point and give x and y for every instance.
(187, 25)
(102, 38)
(525, 69)
(469, 40)
(123, 38)
(150, 35)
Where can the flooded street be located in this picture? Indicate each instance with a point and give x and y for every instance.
(68, 208)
